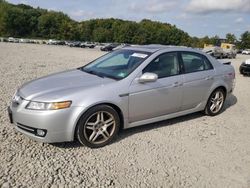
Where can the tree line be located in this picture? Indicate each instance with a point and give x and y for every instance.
(27, 22)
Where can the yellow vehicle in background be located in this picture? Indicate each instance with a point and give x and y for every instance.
(208, 45)
(229, 50)
(225, 50)
(214, 51)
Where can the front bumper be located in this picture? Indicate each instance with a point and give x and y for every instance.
(245, 68)
(58, 125)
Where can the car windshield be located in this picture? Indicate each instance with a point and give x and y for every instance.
(117, 65)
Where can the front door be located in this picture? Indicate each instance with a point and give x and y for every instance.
(164, 96)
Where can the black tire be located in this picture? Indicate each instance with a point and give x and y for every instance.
(208, 109)
(84, 132)
(241, 71)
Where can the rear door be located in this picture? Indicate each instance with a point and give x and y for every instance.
(197, 78)
(153, 99)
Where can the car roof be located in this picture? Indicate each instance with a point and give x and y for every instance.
(152, 48)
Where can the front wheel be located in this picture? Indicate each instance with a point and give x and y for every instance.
(215, 102)
(98, 126)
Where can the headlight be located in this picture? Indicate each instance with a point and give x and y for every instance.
(48, 106)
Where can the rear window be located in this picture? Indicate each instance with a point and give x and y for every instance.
(194, 62)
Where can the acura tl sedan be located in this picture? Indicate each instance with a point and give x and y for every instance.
(122, 89)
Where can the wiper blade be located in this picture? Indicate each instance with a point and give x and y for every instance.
(99, 74)
(93, 72)
(112, 77)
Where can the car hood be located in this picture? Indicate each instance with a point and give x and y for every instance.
(56, 84)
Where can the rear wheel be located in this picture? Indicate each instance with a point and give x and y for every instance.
(98, 126)
(215, 102)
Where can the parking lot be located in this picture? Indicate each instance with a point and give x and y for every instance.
(190, 151)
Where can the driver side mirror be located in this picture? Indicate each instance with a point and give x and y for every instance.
(148, 77)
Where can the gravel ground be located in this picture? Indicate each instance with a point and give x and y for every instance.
(190, 151)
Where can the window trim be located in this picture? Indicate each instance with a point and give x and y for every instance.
(178, 61)
(197, 54)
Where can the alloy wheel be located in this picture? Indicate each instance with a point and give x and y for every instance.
(99, 127)
(216, 102)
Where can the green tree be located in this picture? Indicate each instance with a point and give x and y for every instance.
(245, 40)
(215, 40)
(126, 32)
(102, 35)
(53, 24)
(16, 22)
(231, 38)
(26, 21)
(87, 28)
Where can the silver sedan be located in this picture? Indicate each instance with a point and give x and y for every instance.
(122, 89)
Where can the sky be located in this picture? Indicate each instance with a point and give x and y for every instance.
(196, 17)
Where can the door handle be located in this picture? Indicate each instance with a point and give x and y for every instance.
(177, 84)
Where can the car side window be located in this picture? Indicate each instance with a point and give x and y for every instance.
(164, 65)
(194, 62)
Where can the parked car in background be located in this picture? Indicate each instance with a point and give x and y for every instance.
(247, 51)
(109, 47)
(121, 46)
(11, 39)
(68, 43)
(4, 39)
(60, 42)
(122, 89)
(52, 42)
(229, 50)
(239, 51)
(75, 44)
(31, 41)
(24, 41)
(87, 45)
(245, 67)
(214, 51)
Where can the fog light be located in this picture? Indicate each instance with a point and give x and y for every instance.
(40, 132)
